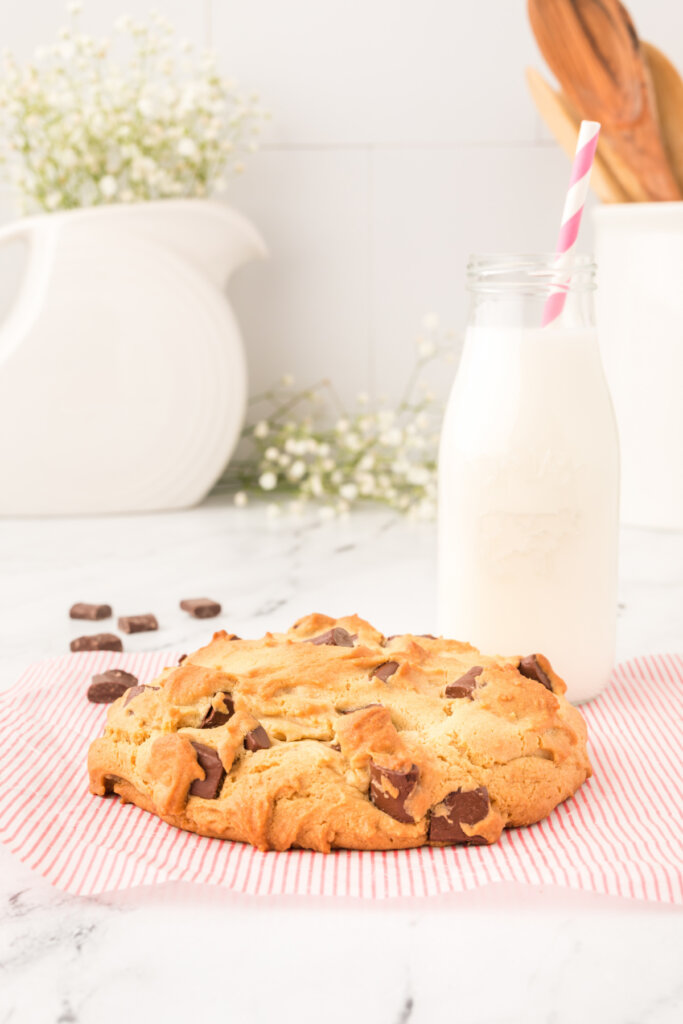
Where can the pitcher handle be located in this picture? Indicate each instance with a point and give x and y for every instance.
(32, 290)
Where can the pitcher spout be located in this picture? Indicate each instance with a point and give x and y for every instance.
(211, 235)
(231, 240)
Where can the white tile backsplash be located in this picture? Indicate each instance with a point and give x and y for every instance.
(478, 199)
(306, 310)
(402, 138)
(34, 23)
(382, 72)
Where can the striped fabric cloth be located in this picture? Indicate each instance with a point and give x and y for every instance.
(620, 835)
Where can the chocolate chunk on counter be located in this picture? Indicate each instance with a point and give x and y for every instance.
(336, 637)
(201, 607)
(135, 691)
(81, 610)
(465, 685)
(386, 669)
(97, 642)
(530, 668)
(461, 807)
(214, 718)
(109, 686)
(138, 623)
(257, 739)
(390, 789)
(210, 786)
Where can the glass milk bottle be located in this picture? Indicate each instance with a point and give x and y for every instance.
(529, 476)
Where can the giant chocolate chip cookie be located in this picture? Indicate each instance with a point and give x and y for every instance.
(332, 735)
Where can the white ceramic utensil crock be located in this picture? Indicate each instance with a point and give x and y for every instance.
(639, 252)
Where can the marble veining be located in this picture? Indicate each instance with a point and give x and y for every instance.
(499, 955)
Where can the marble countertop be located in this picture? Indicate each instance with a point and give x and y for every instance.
(500, 954)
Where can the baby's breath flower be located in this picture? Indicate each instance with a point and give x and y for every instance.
(371, 453)
(79, 127)
(240, 499)
(391, 438)
(316, 486)
(188, 147)
(352, 441)
(425, 348)
(268, 481)
(349, 492)
(430, 321)
(108, 186)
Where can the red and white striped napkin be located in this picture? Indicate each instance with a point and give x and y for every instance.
(620, 835)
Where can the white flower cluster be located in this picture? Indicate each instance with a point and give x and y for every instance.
(79, 128)
(373, 454)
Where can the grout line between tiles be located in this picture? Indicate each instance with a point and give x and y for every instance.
(370, 274)
(208, 23)
(403, 146)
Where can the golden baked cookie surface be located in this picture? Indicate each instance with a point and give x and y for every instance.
(332, 735)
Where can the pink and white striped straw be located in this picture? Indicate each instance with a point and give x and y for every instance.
(573, 208)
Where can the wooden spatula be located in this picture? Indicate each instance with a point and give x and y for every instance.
(594, 51)
(564, 124)
(668, 86)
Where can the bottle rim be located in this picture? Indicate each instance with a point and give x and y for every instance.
(530, 273)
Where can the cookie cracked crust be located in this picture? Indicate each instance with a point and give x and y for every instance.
(332, 735)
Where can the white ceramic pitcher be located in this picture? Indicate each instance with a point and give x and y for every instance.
(122, 370)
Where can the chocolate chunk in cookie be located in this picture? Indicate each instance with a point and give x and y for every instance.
(530, 668)
(201, 607)
(97, 642)
(386, 669)
(81, 610)
(214, 717)
(210, 786)
(257, 739)
(138, 623)
(465, 685)
(336, 637)
(135, 691)
(109, 686)
(389, 790)
(461, 807)
(358, 707)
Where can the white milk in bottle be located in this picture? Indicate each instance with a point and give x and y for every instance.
(529, 477)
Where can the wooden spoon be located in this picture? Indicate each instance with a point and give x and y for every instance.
(594, 51)
(668, 86)
(564, 124)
